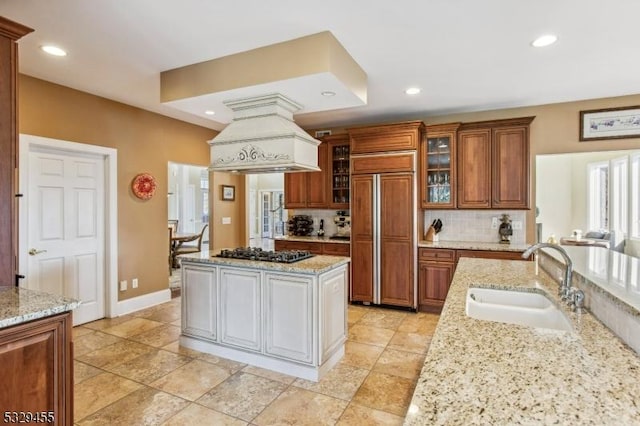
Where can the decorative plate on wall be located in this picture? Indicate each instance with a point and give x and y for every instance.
(144, 186)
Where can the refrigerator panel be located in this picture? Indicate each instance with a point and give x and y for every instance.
(362, 238)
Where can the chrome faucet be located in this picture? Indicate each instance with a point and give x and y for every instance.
(565, 285)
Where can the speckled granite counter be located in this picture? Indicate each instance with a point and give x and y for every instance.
(473, 245)
(311, 239)
(482, 372)
(314, 265)
(18, 305)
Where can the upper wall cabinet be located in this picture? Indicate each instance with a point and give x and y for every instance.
(438, 166)
(384, 138)
(338, 171)
(493, 164)
(308, 189)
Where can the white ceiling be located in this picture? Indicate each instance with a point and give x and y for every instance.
(465, 55)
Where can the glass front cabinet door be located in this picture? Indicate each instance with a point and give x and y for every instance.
(438, 169)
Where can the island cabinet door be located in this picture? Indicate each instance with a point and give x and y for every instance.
(199, 313)
(333, 311)
(289, 316)
(240, 308)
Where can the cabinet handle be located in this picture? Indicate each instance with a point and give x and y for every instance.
(34, 252)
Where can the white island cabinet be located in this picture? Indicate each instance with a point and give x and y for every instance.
(290, 318)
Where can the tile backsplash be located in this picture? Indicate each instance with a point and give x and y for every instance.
(475, 225)
(330, 227)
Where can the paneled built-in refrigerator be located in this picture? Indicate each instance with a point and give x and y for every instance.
(383, 237)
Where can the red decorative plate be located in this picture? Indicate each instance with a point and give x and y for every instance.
(144, 186)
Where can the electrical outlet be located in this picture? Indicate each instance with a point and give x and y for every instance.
(123, 285)
(517, 224)
(134, 283)
(494, 223)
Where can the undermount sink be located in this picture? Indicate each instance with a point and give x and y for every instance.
(515, 307)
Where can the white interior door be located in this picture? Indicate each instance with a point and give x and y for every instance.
(190, 209)
(66, 240)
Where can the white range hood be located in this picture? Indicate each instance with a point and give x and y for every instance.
(262, 138)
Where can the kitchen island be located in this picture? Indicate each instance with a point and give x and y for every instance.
(290, 318)
(36, 357)
(483, 372)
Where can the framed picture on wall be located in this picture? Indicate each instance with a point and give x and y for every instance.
(228, 192)
(610, 123)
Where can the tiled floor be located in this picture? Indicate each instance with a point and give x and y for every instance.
(131, 371)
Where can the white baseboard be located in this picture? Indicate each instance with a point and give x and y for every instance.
(142, 302)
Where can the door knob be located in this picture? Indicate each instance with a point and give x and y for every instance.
(33, 252)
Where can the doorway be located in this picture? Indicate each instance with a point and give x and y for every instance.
(68, 223)
(188, 198)
(266, 211)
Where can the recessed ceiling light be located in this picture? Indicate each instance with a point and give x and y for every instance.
(412, 91)
(209, 112)
(53, 50)
(328, 93)
(545, 40)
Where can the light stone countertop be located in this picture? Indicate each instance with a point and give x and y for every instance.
(315, 265)
(18, 305)
(311, 239)
(483, 372)
(473, 245)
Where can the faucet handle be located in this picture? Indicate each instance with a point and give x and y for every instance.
(578, 301)
(561, 287)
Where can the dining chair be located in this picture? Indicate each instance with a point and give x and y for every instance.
(191, 248)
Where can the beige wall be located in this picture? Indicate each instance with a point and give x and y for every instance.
(146, 142)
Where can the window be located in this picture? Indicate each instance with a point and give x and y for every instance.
(634, 200)
(598, 196)
(619, 195)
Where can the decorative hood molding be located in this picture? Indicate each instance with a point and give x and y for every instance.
(263, 138)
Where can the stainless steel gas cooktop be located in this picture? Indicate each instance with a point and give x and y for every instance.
(252, 253)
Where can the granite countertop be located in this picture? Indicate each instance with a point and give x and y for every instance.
(473, 245)
(18, 305)
(311, 239)
(483, 372)
(315, 265)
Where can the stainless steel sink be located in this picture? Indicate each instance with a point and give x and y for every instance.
(515, 307)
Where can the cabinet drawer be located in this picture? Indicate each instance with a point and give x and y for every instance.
(336, 249)
(437, 255)
(315, 248)
(489, 254)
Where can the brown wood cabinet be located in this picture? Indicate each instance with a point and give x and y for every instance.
(36, 366)
(308, 189)
(436, 268)
(362, 238)
(384, 138)
(438, 166)
(435, 271)
(493, 164)
(338, 171)
(10, 32)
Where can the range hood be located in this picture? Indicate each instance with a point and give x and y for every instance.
(263, 138)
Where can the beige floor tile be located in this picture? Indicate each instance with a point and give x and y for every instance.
(146, 406)
(420, 323)
(151, 366)
(301, 407)
(112, 355)
(99, 391)
(158, 336)
(268, 374)
(342, 381)
(360, 354)
(177, 323)
(132, 327)
(358, 415)
(243, 395)
(82, 372)
(167, 314)
(192, 380)
(410, 342)
(92, 341)
(81, 331)
(231, 366)
(176, 348)
(196, 414)
(400, 363)
(385, 392)
(353, 316)
(107, 322)
(370, 335)
(383, 318)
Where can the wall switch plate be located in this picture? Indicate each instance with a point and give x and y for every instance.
(494, 223)
(123, 285)
(226, 221)
(517, 224)
(134, 283)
